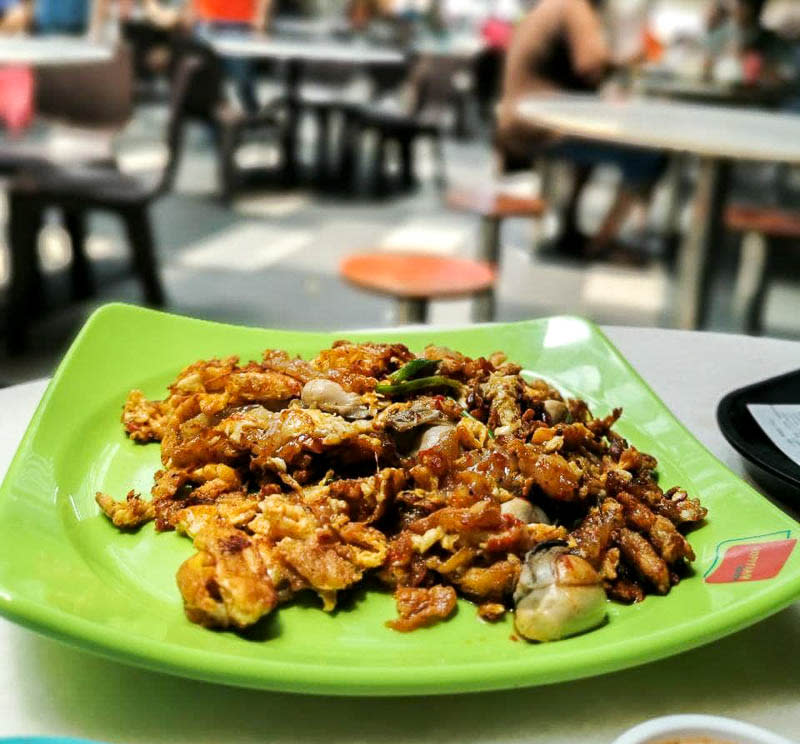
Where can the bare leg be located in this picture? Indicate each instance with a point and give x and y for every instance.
(579, 181)
(624, 201)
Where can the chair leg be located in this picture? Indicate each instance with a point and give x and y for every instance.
(25, 291)
(80, 270)
(323, 133)
(140, 238)
(226, 162)
(411, 310)
(407, 176)
(441, 171)
(348, 152)
(490, 239)
(754, 310)
(381, 178)
(484, 306)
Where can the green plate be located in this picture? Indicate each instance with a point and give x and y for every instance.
(67, 572)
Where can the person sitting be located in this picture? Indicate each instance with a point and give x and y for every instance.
(206, 17)
(560, 45)
(15, 16)
(73, 17)
(739, 48)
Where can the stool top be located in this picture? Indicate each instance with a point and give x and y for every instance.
(489, 202)
(766, 220)
(417, 275)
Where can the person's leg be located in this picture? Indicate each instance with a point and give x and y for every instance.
(241, 71)
(605, 237)
(571, 241)
(580, 177)
(640, 171)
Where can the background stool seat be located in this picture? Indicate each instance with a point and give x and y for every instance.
(493, 206)
(414, 278)
(493, 203)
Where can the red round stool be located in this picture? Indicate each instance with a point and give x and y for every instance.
(413, 279)
(493, 206)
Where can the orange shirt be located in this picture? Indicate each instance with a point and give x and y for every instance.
(226, 11)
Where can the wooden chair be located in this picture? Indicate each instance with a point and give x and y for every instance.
(77, 190)
(414, 279)
(493, 206)
(771, 229)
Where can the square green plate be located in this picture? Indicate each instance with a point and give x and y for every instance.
(67, 572)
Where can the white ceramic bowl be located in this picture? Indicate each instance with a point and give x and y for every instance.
(715, 727)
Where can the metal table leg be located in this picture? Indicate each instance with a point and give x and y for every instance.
(673, 179)
(490, 240)
(292, 126)
(701, 247)
(544, 169)
(410, 310)
(483, 306)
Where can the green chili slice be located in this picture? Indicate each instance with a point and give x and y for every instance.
(414, 368)
(421, 383)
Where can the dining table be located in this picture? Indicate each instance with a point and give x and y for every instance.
(41, 51)
(718, 136)
(49, 688)
(294, 54)
(682, 88)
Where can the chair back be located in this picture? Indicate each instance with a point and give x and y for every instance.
(91, 95)
(144, 38)
(436, 82)
(192, 97)
(207, 90)
(332, 74)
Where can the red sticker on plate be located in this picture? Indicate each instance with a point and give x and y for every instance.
(752, 561)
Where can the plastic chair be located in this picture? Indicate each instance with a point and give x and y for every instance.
(78, 190)
(206, 102)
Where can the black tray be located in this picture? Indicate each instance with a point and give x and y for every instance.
(767, 464)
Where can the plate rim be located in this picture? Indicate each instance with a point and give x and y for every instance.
(348, 680)
(725, 417)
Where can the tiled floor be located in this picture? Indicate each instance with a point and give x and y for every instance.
(272, 258)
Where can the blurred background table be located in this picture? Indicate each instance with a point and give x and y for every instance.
(710, 91)
(51, 50)
(717, 135)
(262, 46)
(296, 53)
(48, 688)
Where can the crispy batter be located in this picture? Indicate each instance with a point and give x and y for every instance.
(284, 490)
(143, 419)
(226, 583)
(641, 555)
(129, 514)
(418, 608)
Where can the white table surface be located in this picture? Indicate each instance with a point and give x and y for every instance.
(466, 46)
(51, 50)
(51, 689)
(262, 46)
(701, 129)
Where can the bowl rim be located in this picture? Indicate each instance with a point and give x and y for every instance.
(699, 725)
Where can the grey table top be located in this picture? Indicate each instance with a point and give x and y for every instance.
(268, 47)
(50, 689)
(702, 129)
(51, 50)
